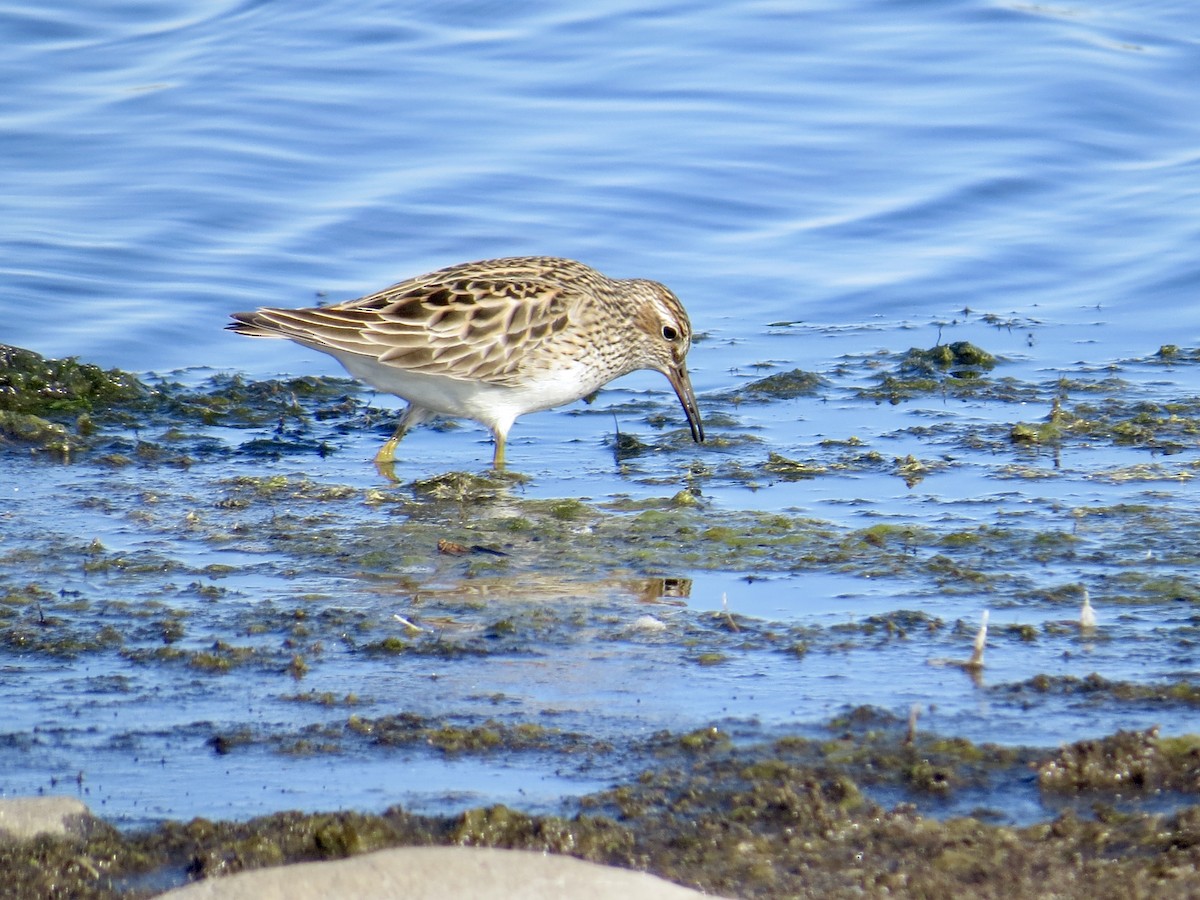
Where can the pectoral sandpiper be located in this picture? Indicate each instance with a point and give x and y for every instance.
(496, 339)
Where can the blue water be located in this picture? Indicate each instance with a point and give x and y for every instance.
(164, 163)
(865, 170)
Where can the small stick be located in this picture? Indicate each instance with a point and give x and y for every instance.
(733, 626)
(913, 712)
(1087, 615)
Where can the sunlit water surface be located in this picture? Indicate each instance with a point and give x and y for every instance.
(817, 183)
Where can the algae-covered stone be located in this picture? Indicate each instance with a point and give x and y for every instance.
(30, 383)
(26, 428)
(44, 403)
(958, 358)
(784, 385)
(790, 469)
(956, 369)
(1129, 762)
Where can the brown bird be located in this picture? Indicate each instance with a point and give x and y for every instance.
(496, 339)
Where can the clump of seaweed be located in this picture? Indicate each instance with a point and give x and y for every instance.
(958, 369)
(34, 385)
(784, 386)
(45, 403)
(1129, 762)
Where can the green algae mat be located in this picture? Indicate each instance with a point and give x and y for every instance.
(242, 646)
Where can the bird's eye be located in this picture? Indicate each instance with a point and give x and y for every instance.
(669, 333)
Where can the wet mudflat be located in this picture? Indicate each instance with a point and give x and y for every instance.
(747, 668)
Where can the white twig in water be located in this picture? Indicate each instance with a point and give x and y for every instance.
(1087, 615)
(726, 615)
(913, 712)
(975, 663)
(407, 624)
(976, 660)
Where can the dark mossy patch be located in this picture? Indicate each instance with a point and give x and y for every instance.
(630, 446)
(783, 386)
(912, 470)
(466, 487)
(1126, 763)
(785, 819)
(36, 386)
(1098, 689)
(68, 407)
(243, 489)
(539, 575)
(955, 357)
(901, 623)
(700, 740)
(1163, 427)
(29, 430)
(957, 369)
(1159, 587)
(491, 735)
(435, 645)
(1172, 354)
(790, 469)
(323, 698)
(218, 658)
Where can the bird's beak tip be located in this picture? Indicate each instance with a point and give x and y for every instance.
(687, 398)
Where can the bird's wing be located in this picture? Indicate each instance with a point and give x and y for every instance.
(469, 325)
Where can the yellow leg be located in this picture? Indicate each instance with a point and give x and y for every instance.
(387, 453)
(413, 415)
(498, 456)
(385, 459)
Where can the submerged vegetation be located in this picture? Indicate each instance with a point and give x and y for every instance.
(190, 558)
(789, 818)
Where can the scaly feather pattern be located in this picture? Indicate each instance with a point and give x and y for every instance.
(495, 339)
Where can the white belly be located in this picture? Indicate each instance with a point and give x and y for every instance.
(496, 406)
